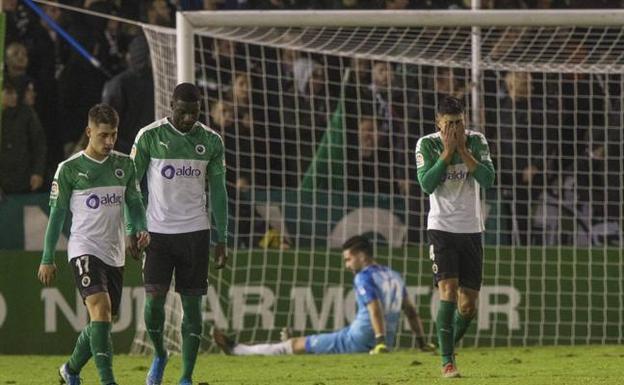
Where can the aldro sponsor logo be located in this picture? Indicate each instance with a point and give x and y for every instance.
(454, 175)
(170, 172)
(94, 201)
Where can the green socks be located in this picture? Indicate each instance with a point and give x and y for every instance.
(444, 326)
(191, 329)
(154, 314)
(102, 350)
(460, 325)
(82, 351)
(191, 333)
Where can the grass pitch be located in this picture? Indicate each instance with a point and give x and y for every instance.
(584, 365)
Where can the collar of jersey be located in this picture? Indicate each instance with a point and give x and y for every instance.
(94, 160)
(178, 131)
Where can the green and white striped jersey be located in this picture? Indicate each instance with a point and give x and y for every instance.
(177, 166)
(455, 197)
(95, 192)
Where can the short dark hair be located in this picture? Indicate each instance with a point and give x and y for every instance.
(450, 106)
(103, 114)
(186, 92)
(358, 244)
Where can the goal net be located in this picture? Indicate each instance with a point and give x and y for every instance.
(320, 126)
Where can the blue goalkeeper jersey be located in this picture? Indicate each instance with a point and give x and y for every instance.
(386, 285)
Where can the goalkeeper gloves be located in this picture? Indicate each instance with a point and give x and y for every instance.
(380, 345)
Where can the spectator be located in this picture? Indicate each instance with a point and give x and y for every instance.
(80, 83)
(158, 12)
(251, 123)
(17, 65)
(368, 161)
(389, 108)
(396, 5)
(352, 4)
(305, 117)
(44, 48)
(524, 127)
(17, 21)
(239, 158)
(131, 94)
(23, 152)
(223, 62)
(582, 207)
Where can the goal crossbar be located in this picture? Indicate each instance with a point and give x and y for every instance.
(407, 18)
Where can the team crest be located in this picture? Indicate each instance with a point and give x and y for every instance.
(119, 173)
(54, 191)
(200, 149)
(86, 281)
(420, 160)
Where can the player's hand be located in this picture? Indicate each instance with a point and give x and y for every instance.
(131, 247)
(142, 239)
(449, 139)
(379, 349)
(136, 243)
(220, 255)
(460, 135)
(46, 274)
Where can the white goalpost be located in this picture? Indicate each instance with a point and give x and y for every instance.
(320, 112)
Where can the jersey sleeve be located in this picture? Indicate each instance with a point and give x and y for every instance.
(484, 173)
(365, 288)
(216, 165)
(135, 211)
(62, 187)
(430, 167)
(140, 155)
(133, 190)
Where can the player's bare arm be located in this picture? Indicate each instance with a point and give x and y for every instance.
(377, 321)
(416, 325)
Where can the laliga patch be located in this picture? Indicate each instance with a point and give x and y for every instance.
(431, 253)
(86, 281)
(54, 191)
(200, 149)
(119, 173)
(133, 152)
(420, 160)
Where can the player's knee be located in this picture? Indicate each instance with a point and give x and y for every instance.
(448, 290)
(156, 294)
(467, 309)
(101, 312)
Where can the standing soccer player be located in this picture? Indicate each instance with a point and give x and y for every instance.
(381, 296)
(94, 185)
(182, 157)
(452, 164)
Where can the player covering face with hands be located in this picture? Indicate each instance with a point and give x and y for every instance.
(97, 185)
(453, 165)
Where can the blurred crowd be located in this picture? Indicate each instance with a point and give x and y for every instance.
(556, 138)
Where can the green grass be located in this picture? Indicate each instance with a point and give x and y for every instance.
(584, 365)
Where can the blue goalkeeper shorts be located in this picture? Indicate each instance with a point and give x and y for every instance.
(338, 342)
